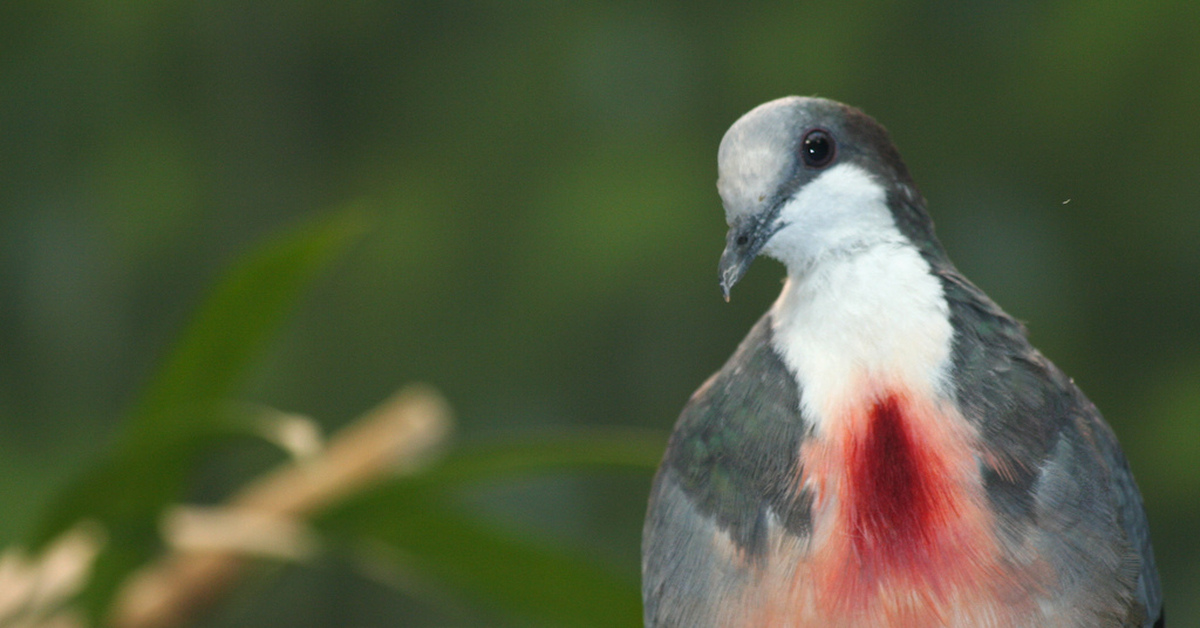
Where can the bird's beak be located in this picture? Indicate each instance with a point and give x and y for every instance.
(742, 244)
(734, 263)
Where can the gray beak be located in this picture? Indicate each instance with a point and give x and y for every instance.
(735, 261)
(742, 244)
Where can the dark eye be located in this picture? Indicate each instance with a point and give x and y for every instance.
(818, 149)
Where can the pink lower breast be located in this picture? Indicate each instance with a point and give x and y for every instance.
(902, 536)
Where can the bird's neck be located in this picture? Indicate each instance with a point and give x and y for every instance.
(861, 325)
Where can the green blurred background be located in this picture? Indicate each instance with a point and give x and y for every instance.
(545, 227)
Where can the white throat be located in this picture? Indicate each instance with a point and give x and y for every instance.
(861, 309)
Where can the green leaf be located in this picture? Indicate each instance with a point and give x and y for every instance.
(185, 407)
(233, 326)
(570, 450)
(418, 517)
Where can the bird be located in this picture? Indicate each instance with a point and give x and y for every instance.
(885, 448)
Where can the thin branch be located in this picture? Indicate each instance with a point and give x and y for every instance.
(210, 547)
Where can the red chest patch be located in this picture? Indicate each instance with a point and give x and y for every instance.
(896, 493)
(901, 534)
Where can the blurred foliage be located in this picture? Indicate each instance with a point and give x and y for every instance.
(185, 412)
(523, 578)
(546, 230)
(185, 409)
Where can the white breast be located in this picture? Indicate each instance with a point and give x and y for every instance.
(861, 309)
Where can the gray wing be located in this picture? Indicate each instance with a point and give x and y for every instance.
(1132, 514)
(728, 477)
(1059, 484)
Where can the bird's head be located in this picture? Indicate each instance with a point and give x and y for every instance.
(803, 178)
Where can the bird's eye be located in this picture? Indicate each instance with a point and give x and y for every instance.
(818, 149)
